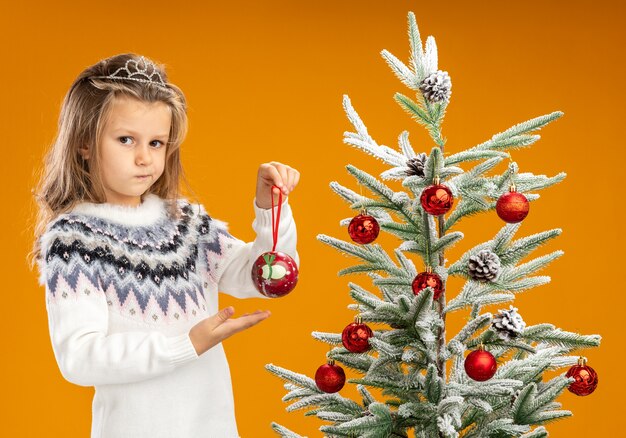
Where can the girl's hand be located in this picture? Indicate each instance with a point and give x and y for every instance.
(274, 173)
(214, 329)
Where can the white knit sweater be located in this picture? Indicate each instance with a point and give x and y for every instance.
(124, 285)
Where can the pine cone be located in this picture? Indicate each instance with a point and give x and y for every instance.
(416, 165)
(508, 323)
(484, 266)
(437, 86)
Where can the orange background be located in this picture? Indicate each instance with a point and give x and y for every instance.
(264, 82)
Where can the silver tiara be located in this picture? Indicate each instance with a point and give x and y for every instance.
(148, 74)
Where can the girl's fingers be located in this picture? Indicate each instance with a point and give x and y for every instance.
(271, 175)
(279, 174)
(297, 178)
(250, 320)
(289, 180)
(282, 171)
(235, 325)
(274, 172)
(258, 311)
(294, 177)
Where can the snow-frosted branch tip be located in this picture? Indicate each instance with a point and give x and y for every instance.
(347, 104)
(284, 432)
(329, 338)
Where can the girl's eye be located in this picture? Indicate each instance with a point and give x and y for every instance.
(122, 140)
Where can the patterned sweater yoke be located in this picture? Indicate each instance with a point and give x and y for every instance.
(124, 286)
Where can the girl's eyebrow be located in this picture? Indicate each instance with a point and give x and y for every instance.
(166, 135)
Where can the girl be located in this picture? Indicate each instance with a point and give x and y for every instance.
(131, 270)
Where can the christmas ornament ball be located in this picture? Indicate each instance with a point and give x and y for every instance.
(586, 378)
(425, 279)
(480, 365)
(355, 337)
(436, 199)
(330, 377)
(275, 274)
(363, 229)
(512, 207)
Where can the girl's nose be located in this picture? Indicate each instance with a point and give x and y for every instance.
(142, 155)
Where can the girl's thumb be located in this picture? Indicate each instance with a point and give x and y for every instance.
(224, 314)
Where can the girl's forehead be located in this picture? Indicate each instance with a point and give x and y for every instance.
(131, 104)
(125, 110)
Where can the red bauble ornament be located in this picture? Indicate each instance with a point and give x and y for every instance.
(274, 274)
(363, 228)
(425, 279)
(586, 378)
(436, 199)
(512, 207)
(355, 337)
(330, 377)
(480, 364)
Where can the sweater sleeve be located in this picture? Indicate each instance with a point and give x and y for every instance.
(234, 266)
(78, 319)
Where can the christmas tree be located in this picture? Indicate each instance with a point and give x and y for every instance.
(495, 385)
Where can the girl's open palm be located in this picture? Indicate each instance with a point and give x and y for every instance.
(214, 329)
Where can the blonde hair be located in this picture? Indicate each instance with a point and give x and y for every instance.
(66, 178)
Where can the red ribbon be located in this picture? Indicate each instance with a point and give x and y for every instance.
(277, 223)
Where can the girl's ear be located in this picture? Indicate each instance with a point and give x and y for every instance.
(84, 152)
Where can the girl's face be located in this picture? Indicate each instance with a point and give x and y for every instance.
(132, 148)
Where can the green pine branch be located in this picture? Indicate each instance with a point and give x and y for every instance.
(534, 406)
(517, 136)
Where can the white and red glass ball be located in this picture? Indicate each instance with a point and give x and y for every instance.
(275, 274)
